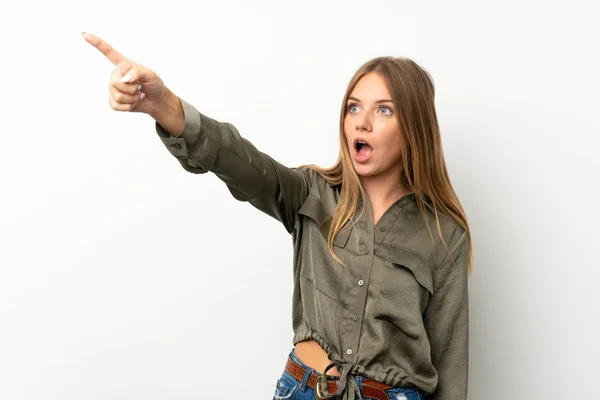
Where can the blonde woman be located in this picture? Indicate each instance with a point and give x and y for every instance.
(382, 247)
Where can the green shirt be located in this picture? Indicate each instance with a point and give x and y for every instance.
(396, 311)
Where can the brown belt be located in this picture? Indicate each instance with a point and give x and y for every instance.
(371, 388)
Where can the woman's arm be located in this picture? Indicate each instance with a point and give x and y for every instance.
(170, 114)
(202, 144)
(447, 324)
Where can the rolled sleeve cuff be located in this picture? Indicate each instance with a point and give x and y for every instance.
(191, 128)
(180, 146)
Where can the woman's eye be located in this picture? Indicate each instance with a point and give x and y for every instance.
(387, 108)
(354, 108)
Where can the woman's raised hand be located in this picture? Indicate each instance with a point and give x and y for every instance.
(132, 87)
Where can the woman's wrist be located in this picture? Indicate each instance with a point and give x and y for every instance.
(169, 114)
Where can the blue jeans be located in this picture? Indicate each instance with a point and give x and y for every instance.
(290, 388)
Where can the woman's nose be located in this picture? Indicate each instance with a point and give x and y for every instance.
(363, 124)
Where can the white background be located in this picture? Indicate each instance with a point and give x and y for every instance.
(122, 276)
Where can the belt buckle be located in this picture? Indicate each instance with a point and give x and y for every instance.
(318, 394)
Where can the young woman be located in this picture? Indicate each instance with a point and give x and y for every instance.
(382, 247)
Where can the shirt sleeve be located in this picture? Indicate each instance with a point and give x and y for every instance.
(208, 145)
(447, 323)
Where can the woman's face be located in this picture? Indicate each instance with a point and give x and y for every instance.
(371, 119)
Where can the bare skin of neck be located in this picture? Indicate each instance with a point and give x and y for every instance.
(382, 192)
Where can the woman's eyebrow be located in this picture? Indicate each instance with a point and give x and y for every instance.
(378, 101)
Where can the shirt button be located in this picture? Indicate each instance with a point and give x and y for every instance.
(382, 229)
(366, 251)
(360, 283)
(355, 317)
(349, 351)
(177, 146)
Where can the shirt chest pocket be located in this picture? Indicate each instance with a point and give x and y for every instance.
(318, 266)
(407, 277)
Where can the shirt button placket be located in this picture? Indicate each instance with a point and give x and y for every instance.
(358, 305)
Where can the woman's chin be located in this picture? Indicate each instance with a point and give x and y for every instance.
(364, 170)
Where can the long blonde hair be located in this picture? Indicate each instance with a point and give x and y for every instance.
(424, 167)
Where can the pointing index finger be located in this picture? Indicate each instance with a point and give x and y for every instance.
(113, 55)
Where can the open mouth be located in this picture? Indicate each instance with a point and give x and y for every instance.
(362, 146)
(363, 150)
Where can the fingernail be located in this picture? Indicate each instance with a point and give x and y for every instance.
(126, 78)
(142, 95)
(139, 87)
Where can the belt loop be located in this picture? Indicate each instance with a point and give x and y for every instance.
(304, 384)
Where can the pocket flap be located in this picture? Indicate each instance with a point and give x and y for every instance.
(412, 261)
(342, 236)
(313, 208)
